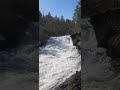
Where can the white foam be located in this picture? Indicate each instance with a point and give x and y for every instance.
(58, 60)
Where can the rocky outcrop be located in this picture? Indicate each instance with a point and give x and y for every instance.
(72, 83)
(106, 23)
(97, 71)
(19, 65)
(76, 38)
(106, 28)
(22, 57)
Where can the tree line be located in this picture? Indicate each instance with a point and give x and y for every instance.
(54, 26)
(50, 26)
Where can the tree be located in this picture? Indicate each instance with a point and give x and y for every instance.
(77, 17)
(54, 26)
(49, 15)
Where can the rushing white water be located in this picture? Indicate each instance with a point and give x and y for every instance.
(58, 60)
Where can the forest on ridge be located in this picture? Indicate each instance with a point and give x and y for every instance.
(58, 26)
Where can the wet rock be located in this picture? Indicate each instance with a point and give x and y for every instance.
(72, 83)
(76, 38)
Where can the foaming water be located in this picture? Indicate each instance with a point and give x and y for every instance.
(58, 60)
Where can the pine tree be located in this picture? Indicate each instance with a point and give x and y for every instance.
(77, 17)
(54, 26)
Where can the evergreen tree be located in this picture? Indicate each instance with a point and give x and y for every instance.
(54, 26)
(77, 17)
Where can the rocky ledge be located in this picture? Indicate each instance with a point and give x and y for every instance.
(72, 83)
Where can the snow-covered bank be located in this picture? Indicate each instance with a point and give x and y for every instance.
(58, 60)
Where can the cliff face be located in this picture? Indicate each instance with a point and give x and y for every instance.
(20, 66)
(21, 56)
(76, 38)
(97, 72)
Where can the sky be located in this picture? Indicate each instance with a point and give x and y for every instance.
(58, 7)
